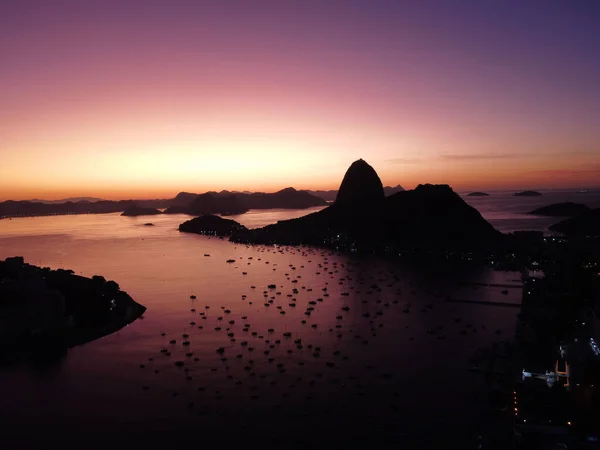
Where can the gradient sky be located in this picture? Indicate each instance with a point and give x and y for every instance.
(143, 99)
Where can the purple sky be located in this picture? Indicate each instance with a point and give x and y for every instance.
(117, 98)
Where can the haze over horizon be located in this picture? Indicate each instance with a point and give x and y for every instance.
(124, 99)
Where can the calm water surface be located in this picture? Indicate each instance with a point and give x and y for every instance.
(508, 213)
(370, 372)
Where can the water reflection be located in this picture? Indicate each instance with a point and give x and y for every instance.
(381, 350)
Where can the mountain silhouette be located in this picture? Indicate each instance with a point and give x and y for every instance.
(361, 188)
(226, 205)
(435, 215)
(207, 203)
(332, 194)
(285, 198)
(230, 203)
(183, 199)
(211, 202)
(430, 216)
(11, 208)
(389, 190)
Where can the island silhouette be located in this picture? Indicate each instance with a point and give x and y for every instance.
(565, 209)
(211, 225)
(527, 194)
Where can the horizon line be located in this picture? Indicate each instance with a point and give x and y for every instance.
(126, 198)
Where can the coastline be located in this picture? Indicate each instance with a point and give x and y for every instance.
(51, 310)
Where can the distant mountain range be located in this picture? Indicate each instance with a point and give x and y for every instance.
(65, 200)
(230, 203)
(224, 203)
(11, 208)
(212, 202)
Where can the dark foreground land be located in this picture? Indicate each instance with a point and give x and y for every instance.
(542, 380)
(44, 310)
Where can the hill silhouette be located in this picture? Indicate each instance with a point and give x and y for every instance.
(224, 202)
(231, 203)
(65, 200)
(430, 216)
(210, 203)
(183, 199)
(211, 225)
(11, 208)
(566, 209)
(136, 210)
(285, 198)
(584, 224)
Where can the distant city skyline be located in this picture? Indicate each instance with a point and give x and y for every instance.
(126, 99)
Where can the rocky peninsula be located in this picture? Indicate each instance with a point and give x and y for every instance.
(43, 309)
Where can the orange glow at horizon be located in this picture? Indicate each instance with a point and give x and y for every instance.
(153, 155)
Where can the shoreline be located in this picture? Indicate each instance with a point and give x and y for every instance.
(53, 310)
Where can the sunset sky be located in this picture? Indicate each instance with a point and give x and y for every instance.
(143, 99)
